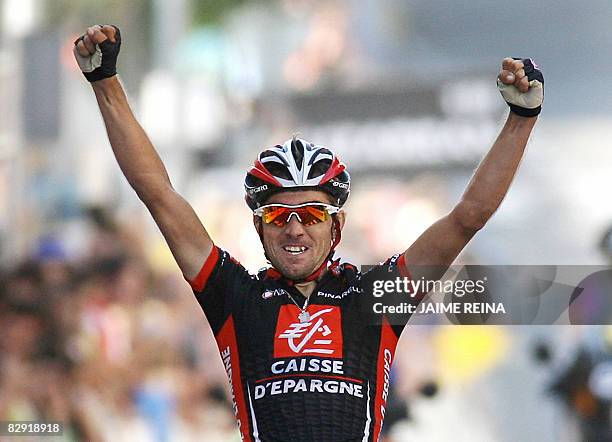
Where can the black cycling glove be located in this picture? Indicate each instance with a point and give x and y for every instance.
(103, 63)
(525, 104)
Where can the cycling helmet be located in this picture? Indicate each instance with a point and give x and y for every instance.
(296, 165)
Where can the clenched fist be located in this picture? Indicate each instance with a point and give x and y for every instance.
(521, 83)
(96, 52)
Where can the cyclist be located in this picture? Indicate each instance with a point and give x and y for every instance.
(303, 362)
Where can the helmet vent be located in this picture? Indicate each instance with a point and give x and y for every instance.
(319, 168)
(267, 154)
(297, 150)
(271, 154)
(278, 170)
(320, 152)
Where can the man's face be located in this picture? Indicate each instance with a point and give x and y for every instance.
(316, 238)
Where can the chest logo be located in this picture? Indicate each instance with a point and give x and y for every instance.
(321, 335)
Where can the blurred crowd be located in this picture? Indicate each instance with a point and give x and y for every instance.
(109, 347)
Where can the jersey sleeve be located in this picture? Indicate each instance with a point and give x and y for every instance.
(399, 262)
(220, 287)
(372, 282)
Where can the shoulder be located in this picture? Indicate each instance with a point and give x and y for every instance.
(220, 268)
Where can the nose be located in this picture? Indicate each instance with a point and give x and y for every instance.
(294, 228)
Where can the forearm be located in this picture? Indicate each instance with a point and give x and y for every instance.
(133, 150)
(493, 177)
(178, 222)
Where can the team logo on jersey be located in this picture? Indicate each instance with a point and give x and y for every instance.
(270, 293)
(320, 336)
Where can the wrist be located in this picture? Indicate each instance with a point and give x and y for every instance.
(109, 90)
(108, 86)
(519, 122)
(105, 82)
(522, 118)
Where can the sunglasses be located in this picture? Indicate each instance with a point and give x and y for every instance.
(307, 213)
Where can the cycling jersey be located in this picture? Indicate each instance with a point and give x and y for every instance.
(323, 379)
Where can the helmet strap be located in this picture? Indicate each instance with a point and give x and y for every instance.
(328, 262)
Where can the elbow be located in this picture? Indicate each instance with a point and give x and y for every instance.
(472, 216)
(152, 194)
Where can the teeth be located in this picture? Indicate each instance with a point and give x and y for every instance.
(295, 249)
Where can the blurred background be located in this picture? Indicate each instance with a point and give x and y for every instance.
(98, 328)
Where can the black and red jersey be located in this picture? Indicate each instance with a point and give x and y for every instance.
(326, 379)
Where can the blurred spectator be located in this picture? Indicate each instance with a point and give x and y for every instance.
(584, 385)
(108, 347)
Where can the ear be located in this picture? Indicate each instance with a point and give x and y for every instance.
(341, 217)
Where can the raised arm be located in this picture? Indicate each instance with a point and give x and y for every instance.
(440, 244)
(188, 240)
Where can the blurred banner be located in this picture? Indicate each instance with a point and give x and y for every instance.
(41, 89)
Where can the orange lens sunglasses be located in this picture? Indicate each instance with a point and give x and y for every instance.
(307, 213)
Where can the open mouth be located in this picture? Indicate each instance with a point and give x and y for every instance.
(295, 250)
